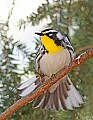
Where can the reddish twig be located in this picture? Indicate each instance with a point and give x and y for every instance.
(23, 101)
(83, 49)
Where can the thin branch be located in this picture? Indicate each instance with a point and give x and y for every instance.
(45, 86)
(83, 49)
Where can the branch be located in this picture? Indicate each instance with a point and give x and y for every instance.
(45, 86)
(83, 49)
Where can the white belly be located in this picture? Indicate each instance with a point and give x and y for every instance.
(52, 63)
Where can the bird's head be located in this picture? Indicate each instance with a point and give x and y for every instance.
(53, 40)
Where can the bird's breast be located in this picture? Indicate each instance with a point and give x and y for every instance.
(52, 63)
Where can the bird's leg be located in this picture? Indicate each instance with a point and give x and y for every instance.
(40, 77)
(53, 75)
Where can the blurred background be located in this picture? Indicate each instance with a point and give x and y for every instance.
(19, 20)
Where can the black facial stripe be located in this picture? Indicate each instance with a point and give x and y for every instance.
(58, 42)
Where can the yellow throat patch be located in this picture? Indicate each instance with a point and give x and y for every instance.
(50, 45)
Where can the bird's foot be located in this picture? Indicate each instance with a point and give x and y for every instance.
(40, 77)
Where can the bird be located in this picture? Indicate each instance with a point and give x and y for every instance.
(54, 53)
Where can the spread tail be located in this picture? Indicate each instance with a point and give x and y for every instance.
(63, 97)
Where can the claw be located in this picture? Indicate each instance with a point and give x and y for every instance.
(40, 77)
(78, 59)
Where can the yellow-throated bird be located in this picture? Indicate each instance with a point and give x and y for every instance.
(55, 53)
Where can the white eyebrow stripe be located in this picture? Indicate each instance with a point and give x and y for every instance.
(53, 31)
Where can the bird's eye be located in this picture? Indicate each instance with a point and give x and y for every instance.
(52, 34)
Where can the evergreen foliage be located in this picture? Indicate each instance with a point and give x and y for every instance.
(74, 17)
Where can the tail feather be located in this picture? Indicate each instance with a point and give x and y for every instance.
(77, 95)
(38, 101)
(64, 89)
(68, 103)
(29, 86)
(50, 104)
(28, 90)
(27, 83)
(73, 100)
(67, 85)
(56, 100)
(46, 100)
(59, 98)
(52, 101)
(64, 97)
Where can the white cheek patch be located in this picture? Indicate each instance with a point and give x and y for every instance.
(59, 36)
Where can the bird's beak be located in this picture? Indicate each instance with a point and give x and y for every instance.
(40, 34)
